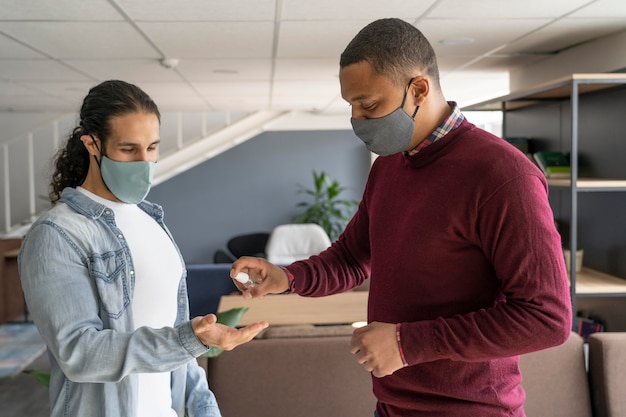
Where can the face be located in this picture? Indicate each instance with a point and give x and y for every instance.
(369, 94)
(134, 137)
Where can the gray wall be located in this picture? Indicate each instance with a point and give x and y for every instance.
(253, 187)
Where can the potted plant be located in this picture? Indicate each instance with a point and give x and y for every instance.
(327, 209)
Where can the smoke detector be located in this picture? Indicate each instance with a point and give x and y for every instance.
(169, 63)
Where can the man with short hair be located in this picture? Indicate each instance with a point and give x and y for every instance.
(455, 231)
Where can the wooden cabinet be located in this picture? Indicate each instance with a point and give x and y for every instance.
(12, 305)
(554, 110)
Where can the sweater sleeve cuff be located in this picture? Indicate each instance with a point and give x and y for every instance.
(292, 280)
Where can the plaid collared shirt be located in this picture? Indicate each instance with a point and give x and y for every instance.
(452, 122)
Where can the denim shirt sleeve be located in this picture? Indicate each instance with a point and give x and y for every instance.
(64, 302)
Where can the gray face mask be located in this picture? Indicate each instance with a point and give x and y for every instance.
(388, 134)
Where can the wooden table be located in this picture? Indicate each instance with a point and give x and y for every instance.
(291, 309)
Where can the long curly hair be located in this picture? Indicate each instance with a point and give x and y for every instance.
(105, 101)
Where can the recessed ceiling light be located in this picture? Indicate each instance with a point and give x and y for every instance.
(456, 41)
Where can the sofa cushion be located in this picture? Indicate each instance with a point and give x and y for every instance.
(306, 330)
(555, 381)
(293, 376)
(607, 373)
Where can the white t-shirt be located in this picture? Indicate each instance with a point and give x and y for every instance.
(158, 270)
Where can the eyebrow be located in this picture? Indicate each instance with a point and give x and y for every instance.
(156, 142)
(359, 98)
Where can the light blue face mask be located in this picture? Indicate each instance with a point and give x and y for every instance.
(388, 134)
(128, 181)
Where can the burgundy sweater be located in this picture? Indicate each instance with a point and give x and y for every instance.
(462, 250)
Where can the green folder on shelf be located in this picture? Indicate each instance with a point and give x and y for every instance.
(554, 164)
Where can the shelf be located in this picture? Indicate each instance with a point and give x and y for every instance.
(554, 90)
(590, 184)
(590, 282)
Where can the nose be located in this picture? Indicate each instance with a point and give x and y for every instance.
(143, 155)
(358, 113)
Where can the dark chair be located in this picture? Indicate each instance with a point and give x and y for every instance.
(221, 257)
(206, 283)
(252, 244)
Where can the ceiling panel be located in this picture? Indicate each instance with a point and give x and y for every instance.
(305, 89)
(214, 40)
(602, 9)
(480, 31)
(68, 89)
(38, 103)
(9, 89)
(66, 10)
(200, 10)
(211, 89)
(81, 39)
(254, 54)
(347, 10)
(316, 39)
(564, 34)
(505, 9)
(11, 49)
(38, 70)
(226, 70)
(307, 69)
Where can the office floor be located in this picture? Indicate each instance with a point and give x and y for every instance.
(22, 395)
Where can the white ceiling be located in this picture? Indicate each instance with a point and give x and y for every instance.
(248, 55)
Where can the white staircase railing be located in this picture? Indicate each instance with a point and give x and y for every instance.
(187, 139)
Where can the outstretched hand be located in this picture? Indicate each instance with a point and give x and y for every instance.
(273, 279)
(212, 333)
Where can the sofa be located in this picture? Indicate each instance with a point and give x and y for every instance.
(206, 283)
(307, 371)
(607, 373)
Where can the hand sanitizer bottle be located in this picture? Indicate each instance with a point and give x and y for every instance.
(245, 279)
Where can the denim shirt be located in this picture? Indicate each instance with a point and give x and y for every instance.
(78, 279)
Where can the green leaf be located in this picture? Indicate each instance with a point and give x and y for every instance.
(326, 209)
(43, 377)
(230, 318)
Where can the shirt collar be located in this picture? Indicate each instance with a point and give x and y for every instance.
(452, 122)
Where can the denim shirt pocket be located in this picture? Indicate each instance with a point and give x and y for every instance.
(108, 270)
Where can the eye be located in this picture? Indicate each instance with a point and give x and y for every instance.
(368, 106)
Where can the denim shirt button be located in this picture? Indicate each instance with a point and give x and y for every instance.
(181, 300)
(120, 236)
(132, 272)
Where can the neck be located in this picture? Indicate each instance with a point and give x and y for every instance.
(430, 115)
(93, 182)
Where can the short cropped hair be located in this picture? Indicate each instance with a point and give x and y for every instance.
(394, 48)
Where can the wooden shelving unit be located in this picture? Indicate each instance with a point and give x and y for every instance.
(590, 282)
(590, 184)
(587, 282)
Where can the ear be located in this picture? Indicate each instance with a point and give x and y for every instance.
(419, 89)
(91, 144)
